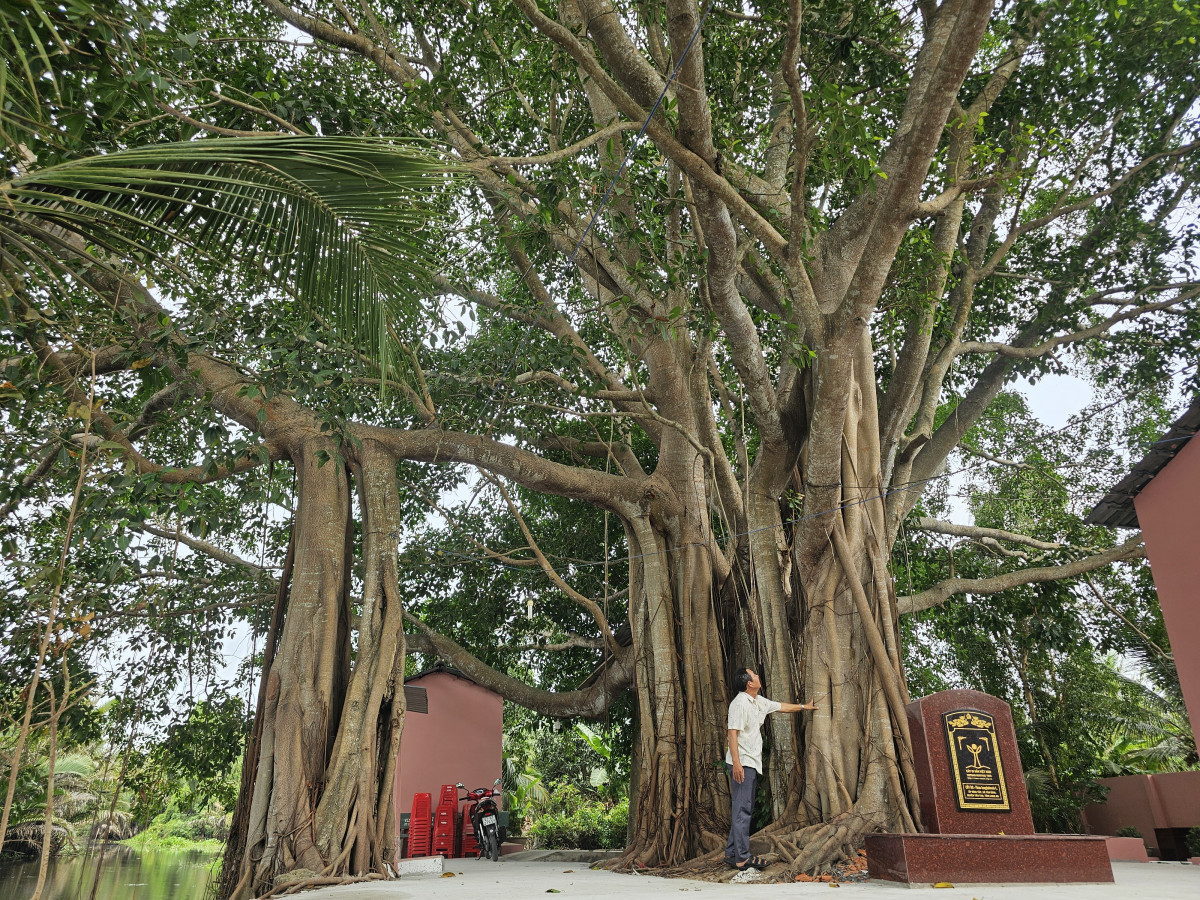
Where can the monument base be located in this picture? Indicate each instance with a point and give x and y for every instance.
(972, 858)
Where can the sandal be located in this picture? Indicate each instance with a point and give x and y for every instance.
(754, 862)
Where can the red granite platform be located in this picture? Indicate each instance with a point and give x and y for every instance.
(989, 858)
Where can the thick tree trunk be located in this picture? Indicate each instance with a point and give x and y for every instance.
(857, 756)
(682, 798)
(320, 794)
(352, 815)
(817, 619)
(305, 684)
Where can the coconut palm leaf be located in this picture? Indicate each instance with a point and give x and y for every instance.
(32, 833)
(75, 766)
(346, 224)
(118, 827)
(1038, 782)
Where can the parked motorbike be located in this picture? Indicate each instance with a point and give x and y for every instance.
(483, 815)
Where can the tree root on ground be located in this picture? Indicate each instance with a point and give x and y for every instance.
(811, 850)
(308, 884)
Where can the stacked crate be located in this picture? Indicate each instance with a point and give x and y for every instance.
(469, 845)
(419, 826)
(445, 821)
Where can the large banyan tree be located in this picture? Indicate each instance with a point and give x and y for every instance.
(742, 281)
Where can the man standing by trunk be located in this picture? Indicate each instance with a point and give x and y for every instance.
(743, 760)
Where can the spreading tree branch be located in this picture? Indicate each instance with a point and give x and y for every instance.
(591, 702)
(201, 546)
(976, 532)
(1100, 329)
(557, 580)
(943, 591)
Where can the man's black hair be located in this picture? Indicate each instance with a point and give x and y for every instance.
(740, 680)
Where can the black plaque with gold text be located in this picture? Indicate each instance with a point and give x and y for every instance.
(975, 761)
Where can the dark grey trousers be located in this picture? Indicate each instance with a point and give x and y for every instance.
(737, 847)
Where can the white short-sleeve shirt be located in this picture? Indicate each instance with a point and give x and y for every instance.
(746, 715)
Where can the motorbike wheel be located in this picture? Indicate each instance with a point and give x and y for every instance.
(493, 843)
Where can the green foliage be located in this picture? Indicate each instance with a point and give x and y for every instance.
(194, 771)
(83, 788)
(524, 793)
(548, 768)
(171, 830)
(1150, 731)
(64, 66)
(565, 757)
(339, 221)
(1193, 841)
(1128, 831)
(182, 784)
(572, 821)
(203, 752)
(336, 229)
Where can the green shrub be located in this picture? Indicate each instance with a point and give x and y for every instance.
(1128, 831)
(173, 830)
(1193, 841)
(569, 821)
(614, 826)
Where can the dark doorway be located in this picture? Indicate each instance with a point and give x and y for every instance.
(1172, 843)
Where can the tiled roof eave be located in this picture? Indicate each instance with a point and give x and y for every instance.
(1116, 508)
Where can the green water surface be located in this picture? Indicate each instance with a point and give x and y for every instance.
(126, 874)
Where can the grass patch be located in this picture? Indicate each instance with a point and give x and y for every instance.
(172, 832)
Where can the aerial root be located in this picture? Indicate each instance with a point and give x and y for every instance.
(783, 851)
(824, 844)
(294, 887)
(812, 850)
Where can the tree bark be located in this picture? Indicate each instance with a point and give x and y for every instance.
(306, 683)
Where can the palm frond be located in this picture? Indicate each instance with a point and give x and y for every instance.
(32, 832)
(117, 828)
(79, 765)
(347, 224)
(1038, 782)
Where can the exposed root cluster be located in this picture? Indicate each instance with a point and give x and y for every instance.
(846, 871)
(308, 884)
(827, 851)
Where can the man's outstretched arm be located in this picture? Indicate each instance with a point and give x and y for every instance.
(796, 707)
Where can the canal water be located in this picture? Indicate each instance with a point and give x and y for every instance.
(127, 874)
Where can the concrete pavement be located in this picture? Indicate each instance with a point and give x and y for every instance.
(519, 879)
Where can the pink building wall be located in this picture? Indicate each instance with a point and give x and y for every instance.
(1146, 802)
(459, 739)
(1168, 510)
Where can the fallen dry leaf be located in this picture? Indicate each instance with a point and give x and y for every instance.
(943, 884)
(447, 874)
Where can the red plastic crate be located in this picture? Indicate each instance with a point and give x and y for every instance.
(419, 826)
(445, 821)
(469, 847)
(444, 830)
